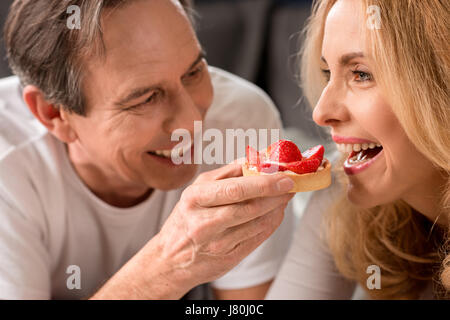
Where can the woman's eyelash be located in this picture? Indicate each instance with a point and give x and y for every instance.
(364, 76)
(326, 73)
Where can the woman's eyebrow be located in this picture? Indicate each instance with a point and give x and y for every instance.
(346, 58)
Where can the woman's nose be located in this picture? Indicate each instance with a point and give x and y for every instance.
(330, 110)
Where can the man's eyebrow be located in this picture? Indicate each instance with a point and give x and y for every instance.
(139, 92)
(346, 58)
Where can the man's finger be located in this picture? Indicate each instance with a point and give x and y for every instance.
(231, 170)
(234, 190)
(228, 240)
(244, 248)
(243, 212)
(270, 220)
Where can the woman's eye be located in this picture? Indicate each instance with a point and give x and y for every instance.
(362, 76)
(327, 74)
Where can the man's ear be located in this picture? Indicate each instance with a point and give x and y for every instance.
(54, 119)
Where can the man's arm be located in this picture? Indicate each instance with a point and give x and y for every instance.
(219, 220)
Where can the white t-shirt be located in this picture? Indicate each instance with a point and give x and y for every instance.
(309, 271)
(49, 220)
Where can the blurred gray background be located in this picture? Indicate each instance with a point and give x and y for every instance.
(4, 70)
(257, 40)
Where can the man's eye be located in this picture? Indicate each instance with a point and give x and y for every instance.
(194, 74)
(327, 74)
(150, 100)
(362, 76)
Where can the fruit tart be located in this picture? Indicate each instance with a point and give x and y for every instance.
(309, 170)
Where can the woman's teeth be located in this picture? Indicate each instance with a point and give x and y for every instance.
(347, 148)
(360, 157)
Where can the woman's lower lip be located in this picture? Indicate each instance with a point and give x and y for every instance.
(358, 168)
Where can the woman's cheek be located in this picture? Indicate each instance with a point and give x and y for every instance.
(379, 120)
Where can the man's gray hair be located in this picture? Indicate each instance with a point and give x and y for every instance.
(44, 52)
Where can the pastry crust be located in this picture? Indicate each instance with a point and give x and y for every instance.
(303, 182)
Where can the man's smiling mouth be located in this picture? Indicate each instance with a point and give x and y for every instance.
(169, 154)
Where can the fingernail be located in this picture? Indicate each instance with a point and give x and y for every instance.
(286, 184)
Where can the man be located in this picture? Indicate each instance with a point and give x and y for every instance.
(91, 206)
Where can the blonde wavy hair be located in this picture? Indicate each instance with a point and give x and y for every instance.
(412, 57)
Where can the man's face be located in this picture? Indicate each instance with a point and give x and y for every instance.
(153, 81)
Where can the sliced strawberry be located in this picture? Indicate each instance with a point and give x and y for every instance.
(314, 153)
(284, 151)
(252, 156)
(304, 166)
(270, 168)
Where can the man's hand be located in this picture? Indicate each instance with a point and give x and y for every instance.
(220, 219)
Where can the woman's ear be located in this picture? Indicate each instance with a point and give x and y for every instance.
(53, 118)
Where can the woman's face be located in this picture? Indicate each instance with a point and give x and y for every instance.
(352, 104)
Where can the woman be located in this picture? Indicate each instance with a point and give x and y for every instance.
(377, 73)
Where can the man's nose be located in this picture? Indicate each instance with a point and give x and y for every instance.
(183, 113)
(330, 110)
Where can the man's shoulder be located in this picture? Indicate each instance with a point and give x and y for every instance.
(29, 165)
(17, 125)
(240, 102)
(229, 82)
(28, 154)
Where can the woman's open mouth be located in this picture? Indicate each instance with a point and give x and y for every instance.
(361, 156)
